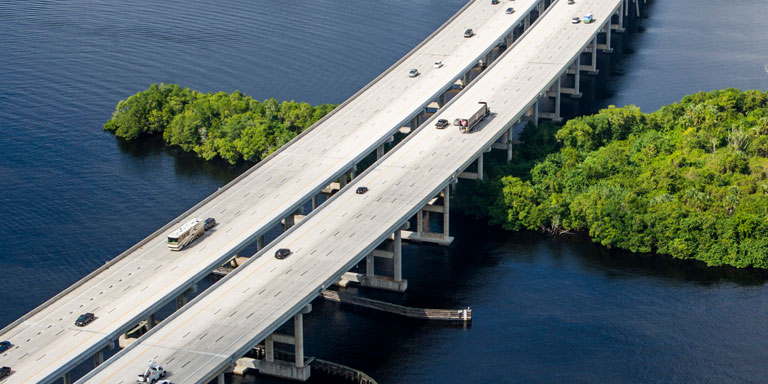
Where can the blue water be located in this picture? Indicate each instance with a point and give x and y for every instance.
(547, 310)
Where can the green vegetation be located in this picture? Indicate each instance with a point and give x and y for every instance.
(689, 180)
(233, 126)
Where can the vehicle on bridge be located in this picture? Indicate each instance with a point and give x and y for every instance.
(468, 125)
(282, 253)
(442, 123)
(152, 374)
(5, 345)
(185, 234)
(5, 371)
(85, 319)
(209, 223)
(469, 32)
(413, 73)
(588, 18)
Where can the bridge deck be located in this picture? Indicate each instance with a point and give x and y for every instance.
(149, 276)
(248, 305)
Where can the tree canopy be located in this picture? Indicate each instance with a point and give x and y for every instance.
(232, 126)
(689, 180)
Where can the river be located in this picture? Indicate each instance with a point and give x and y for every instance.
(546, 309)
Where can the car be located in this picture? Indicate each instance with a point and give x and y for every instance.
(84, 319)
(571, 2)
(361, 190)
(442, 123)
(457, 121)
(5, 371)
(413, 73)
(164, 382)
(209, 223)
(469, 32)
(510, 11)
(575, 20)
(282, 253)
(5, 345)
(437, 64)
(588, 19)
(494, 2)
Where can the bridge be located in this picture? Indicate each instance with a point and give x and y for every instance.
(211, 335)
(135, 285)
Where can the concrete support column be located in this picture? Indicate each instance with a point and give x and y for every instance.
(420, 222)
(260, 242)
(557, 100)
(509, 144)
(343, 180)
(181, 300)
(625, 7)
(98, 358)
(66, 378)
(397, 257)
(527, 22)
(480, 166)
(577, 77)
(150, 322)
(369, 266)
(298, 335)
(467, 77)
(536, 112)
(637, 8)
(621, 17)
(220, 379)
(594, 54)
(269, 349)
(446, 211)
(314, 202)
(379, 151)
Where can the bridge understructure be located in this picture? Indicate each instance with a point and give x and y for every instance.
(127, 293)
(210, 335)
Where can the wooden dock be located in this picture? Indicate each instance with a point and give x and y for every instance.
(456, 315)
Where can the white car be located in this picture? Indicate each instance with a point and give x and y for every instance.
(413, 73)
(576, 20)
(437, 64)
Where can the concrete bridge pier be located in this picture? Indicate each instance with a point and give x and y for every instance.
(390, 249)
(618, 25)
(66, 378)
(439, 204)
(505, 141)
(183, 298)
(570, 82)
(298, 370)
(605, 33)
(552, 101)
(591, 55)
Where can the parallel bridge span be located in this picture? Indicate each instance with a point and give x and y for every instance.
(207, 337)
(148, 276)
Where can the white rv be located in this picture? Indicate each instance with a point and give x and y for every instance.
(185, 234)
(152, 374)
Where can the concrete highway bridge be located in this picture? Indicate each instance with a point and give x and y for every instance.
(520, 79)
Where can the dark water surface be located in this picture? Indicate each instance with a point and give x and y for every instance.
(547, 310)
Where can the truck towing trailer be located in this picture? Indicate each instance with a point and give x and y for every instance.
(468, 125)
(186, 234)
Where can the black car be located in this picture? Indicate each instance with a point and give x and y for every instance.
(5, 345)
(442, 123)
(469, 32)
(209, 223)
(282, 253)
(84, 319)
(494, 2)
(5, 371)
(361, 190)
